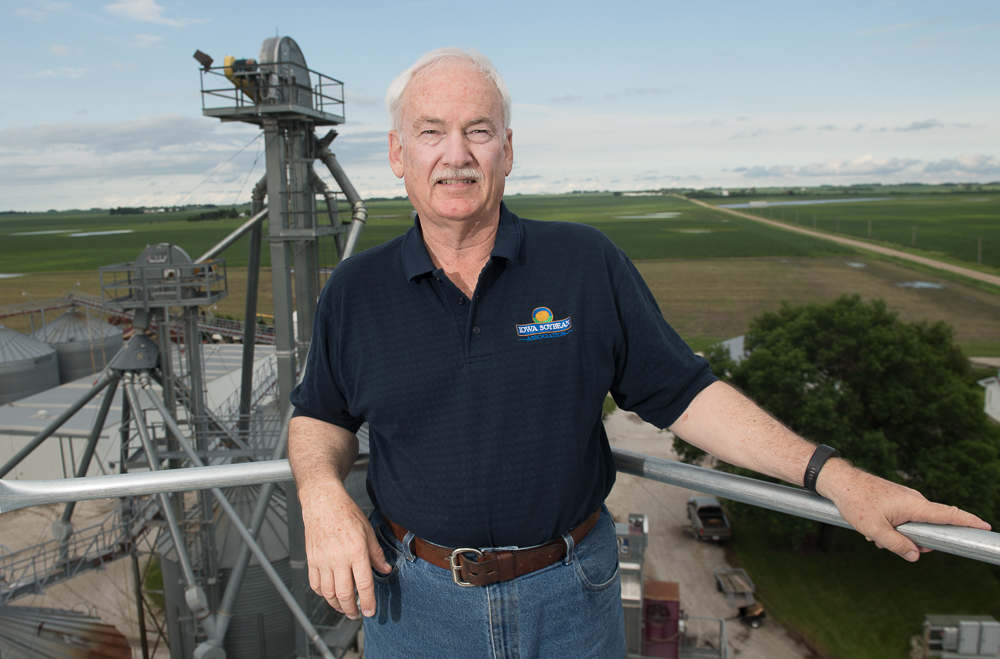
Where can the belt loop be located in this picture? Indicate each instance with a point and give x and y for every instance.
(408, 546)
(568, 539)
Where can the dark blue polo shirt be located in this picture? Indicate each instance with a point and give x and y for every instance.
(485, 413)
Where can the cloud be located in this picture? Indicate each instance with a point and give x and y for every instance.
(965, 165)
(145, 40)
(775, 171)
(370, 146)
(921, 125)
(60, 72)
(355, 98)
(61, 50)
(525, 177)
(145, 11)
(161, 145)
(752, 134)
(886, 29)
(866, 164)
(935, 40)
(646, 91)
(43, 12)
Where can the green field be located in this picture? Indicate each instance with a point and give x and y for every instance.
(952, 227)
(861, 602)
(645, 227)
(710, 271)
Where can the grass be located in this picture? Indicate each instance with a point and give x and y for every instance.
(948, 227)
(862, 602)
(690, 231)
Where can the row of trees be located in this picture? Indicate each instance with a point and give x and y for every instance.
(898, 399)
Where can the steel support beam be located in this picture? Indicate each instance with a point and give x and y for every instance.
(293, 605)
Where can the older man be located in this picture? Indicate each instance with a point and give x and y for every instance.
(479, 347)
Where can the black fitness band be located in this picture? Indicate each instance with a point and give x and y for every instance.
(819, 458)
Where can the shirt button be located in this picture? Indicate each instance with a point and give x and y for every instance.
(475, 330)
(461, 300)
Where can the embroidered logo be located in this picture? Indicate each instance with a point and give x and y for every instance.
(544, 327)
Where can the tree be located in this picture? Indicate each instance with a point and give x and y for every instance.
(893, 397)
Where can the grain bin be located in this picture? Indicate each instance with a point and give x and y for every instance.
(83, 345)
(27, 366)
(261, 626)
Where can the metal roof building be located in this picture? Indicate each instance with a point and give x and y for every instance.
(27, 366)
(28, 416)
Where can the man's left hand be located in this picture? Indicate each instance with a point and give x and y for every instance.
(875, 507)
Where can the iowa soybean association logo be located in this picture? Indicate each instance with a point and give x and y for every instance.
(544, 327)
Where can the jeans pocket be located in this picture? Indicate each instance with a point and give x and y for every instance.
(393, 555)
(595, 559)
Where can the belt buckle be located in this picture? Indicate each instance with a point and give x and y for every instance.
(456, 567)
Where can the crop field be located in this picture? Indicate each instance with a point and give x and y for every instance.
(711, 272)
(645, 227)
(958, 228)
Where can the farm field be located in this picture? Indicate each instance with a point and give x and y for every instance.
(711, 272)
(959, 228)
(645, 227)
(706, 300)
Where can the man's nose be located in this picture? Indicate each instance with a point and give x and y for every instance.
(457, 152)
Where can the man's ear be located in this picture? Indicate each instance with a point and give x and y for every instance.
(396, 153)
(508, 152)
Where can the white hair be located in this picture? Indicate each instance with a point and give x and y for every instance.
(395, 96)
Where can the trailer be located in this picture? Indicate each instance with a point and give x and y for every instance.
(739, 590)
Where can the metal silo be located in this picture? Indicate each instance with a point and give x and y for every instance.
(27, 366)
(83, 345)
(261, 625)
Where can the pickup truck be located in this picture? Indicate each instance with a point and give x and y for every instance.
(708, 519)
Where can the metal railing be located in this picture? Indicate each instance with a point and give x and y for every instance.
(961, 541)
(30, 570)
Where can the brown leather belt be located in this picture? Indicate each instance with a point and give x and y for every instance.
(492, 567)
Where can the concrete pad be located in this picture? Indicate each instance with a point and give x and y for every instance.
(673, 553)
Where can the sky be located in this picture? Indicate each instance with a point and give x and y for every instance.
(101, 102)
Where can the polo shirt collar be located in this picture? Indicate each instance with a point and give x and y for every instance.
(416, 260)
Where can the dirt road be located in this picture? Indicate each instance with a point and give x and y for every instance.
(674, 555)
(860, 244)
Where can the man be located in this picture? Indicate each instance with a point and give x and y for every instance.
(479, 348)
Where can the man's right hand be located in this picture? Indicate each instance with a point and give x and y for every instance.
(341, 548)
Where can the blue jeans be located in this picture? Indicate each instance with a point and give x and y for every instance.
(572, 608)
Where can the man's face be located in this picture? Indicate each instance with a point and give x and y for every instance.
(452, 150)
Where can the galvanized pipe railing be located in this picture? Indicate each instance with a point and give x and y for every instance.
(961, 541)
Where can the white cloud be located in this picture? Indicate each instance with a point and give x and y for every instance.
(886, 29)
(42, 10)
(921, 125)
(965, 165)
(61, 50)
(862, 165)
(145, 40)
(935, 40)
(145, 11)
(60, 72)
(354, 98)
